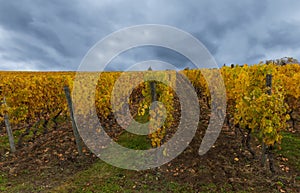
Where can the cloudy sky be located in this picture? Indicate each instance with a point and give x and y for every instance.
(56, 34)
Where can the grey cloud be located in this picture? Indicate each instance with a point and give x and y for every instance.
(144, 53)
(283, 35)
(55, 35)
(13, 17)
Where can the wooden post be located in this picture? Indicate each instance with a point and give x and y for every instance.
(75, 130)
(153, 99)
(267, 150)
(269, 83)
(153, 88)
(9, 131)
(263, 156)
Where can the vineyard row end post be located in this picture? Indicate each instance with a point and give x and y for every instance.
(8, 129)
(75, 130)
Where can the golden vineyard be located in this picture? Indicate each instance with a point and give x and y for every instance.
(35, 101)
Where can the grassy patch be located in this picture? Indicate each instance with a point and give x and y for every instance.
(4, 142)
(3, 181)
(133, 141)
(102, 177)
(11, 185)
(290, 147)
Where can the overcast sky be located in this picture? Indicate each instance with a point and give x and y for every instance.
(56, 34)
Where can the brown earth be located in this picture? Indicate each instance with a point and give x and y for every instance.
(52, 158)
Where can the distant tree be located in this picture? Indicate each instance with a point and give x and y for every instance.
(283, 61)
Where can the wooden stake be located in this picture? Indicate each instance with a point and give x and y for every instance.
(9, 131)
(75, 130)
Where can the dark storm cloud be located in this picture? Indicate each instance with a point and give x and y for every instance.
(14, 18)
(143, 53)
(55, 35)
(283, 35)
